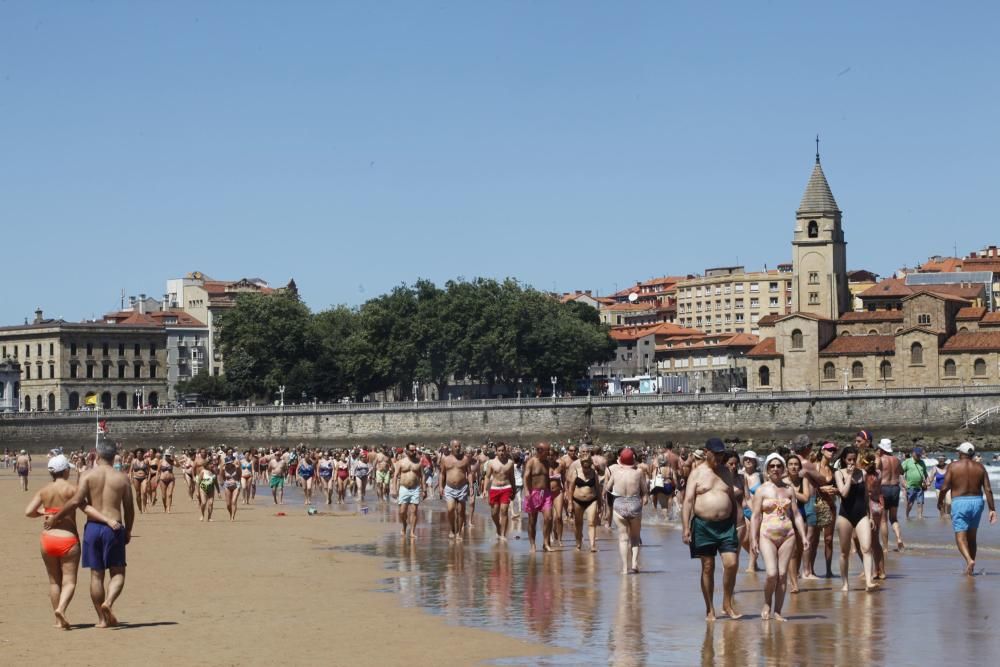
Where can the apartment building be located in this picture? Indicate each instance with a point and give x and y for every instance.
(732, 300)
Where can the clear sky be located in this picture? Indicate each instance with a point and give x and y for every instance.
(573, 145)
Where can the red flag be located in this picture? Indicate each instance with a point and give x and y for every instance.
(102, 426)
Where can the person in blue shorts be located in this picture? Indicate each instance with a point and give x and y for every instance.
(969, 483)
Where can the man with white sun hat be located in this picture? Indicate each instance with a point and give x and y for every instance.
(891, 470)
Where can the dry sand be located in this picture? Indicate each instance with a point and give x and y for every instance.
(261, 590)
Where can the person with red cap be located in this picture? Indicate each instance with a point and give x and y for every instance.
(630, 487)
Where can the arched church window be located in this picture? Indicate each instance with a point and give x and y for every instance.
(813, 229)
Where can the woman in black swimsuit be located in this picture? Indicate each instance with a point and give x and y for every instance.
(586, 490)
(853, 519)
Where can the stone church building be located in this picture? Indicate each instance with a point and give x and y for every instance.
(938, 336)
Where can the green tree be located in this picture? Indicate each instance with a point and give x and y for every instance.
(262, 338)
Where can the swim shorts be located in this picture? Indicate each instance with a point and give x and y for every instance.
(890, 493)
(538, 500)
(628, 507)
(501, 495)
(103, 548)
(277, 482)
(808, 511)
(408, 496)
(915, 495)
(381, 476)
(709, 538)
(966, 511)
(458, 495)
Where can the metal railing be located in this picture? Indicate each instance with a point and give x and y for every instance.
(523, 402)
(982, 416)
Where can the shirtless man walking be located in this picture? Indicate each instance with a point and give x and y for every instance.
(709, 517)
(409, 484)
(891, 470)
(453, 486)
(23, 466)
(383, 473)
(278, 468)
(968, 482)
(498, 485)
(537, 497)
(108, 491)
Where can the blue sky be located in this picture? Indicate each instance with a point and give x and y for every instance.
(573, 145)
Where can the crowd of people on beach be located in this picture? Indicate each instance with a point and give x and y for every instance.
(777, 508)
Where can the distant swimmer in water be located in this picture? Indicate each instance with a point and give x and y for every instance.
(629, 485)
(968, 482)
(709, 522)
(773, 529)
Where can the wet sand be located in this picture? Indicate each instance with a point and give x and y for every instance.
(925, 613)
(262, 590)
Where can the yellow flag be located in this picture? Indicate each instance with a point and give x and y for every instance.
(90, 400)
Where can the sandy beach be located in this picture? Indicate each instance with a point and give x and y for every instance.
(261, 590)
(270, 589)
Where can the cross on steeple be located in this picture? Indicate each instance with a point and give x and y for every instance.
(817, 149)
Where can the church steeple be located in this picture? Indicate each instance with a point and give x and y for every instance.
(818, 198)
(819, 253)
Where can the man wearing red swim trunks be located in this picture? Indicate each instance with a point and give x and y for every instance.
(498, 483)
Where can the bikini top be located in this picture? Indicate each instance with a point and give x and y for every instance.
(166, 467)
(583, 481)
(230, 475)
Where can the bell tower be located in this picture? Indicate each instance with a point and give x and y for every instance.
(819, 252)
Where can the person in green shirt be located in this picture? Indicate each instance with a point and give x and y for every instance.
(915, 481)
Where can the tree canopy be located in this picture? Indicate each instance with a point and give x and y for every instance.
(482, 330)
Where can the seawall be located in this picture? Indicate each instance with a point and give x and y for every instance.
(758, 417)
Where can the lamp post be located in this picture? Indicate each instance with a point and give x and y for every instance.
(281, 392)
(553, 380)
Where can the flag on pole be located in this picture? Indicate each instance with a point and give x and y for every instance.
(102, 426)
(90, 400)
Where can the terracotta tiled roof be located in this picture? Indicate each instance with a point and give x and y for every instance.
(872, 316)
(973, 341)
(766, 348)
(768, 320)
(665, 280)
(799, 313)
(743, 339)
(892, 288)
(855, 345)
(888, 288)
(941, 265)
(990, 320)
(712, 341)
(181, 317)
(970, 313)
(139, 319)
(629, 306)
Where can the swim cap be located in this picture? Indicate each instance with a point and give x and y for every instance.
(627, 457)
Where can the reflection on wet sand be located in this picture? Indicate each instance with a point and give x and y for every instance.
(579, 601)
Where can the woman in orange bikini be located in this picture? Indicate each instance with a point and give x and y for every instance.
(774, 524)
(60, 543)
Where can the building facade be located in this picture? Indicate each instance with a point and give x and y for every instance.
(65, 366)
(731, 300)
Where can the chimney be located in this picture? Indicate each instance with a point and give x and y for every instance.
(165, 304)
(142, 304)
(131, 303)
(38, 316)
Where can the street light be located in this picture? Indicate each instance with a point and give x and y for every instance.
(553, 380)
(281, 390)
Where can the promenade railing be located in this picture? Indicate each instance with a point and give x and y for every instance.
(523, 402)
